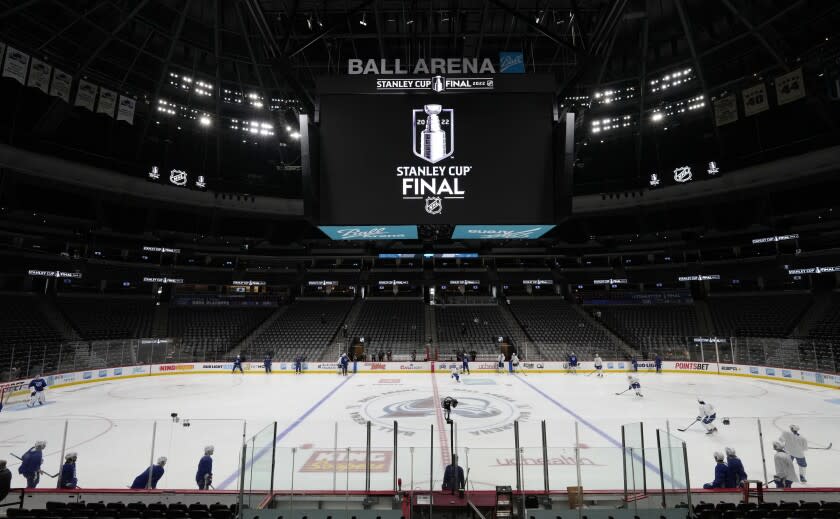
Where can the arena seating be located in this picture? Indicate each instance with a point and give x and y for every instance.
(558, 329)
(650, 328)
(757, 315)
(304, 329)
(211, 331)
(781, 510)
(470, 327)
(121, 510)
(109, 317)
(391, 325)
(24, 326)
(828, 326)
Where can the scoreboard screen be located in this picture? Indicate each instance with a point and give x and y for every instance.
(398, 151)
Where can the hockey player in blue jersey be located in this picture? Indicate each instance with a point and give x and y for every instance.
(737, 475)
(298, 365)
(67, 477)
(721, 473)
(635, 363)
(237, 364)
(37, 386)
(345, 360)
(30, 464)
(142, 480)
(658, 363)
(267, 363)
(204, 474)
(465, 363)
(573, 363)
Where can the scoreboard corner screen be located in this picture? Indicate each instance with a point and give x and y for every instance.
(411, 150)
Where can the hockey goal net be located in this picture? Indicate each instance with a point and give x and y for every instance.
(14, 393)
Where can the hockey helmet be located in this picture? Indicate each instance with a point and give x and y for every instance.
(700, 400)
(209, 449)
(718, 456)
(161, 461)
(729, 451)
(778, 446)
(794, 428)
(40, 444)
(71, 456)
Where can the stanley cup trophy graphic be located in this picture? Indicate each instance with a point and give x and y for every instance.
(433, 138)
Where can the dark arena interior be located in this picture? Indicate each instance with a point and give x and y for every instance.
(404, 259)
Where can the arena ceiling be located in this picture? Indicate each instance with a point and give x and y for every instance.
(260, 59)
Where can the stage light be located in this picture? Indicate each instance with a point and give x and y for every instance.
(295, 135)
(656, 117)
(204, 120)
(363, 21)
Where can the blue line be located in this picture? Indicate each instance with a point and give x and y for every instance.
(594, 427)
(282, 434)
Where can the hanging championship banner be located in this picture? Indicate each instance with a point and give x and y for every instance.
(60, 86)
(755, 99)
(726, 110)
(86, 94)
(125, 111)
(107, 102)
(16, 64)
(39, 75)
(790, 87)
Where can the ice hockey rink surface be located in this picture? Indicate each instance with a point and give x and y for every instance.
(320, 416)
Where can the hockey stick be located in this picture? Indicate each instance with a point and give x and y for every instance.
(41, 471)
(822, 448)
(591, 372)
(626, 390)
(687, 427)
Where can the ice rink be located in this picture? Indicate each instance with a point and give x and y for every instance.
(320, 416)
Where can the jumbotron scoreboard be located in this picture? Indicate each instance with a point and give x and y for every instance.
(467, 148)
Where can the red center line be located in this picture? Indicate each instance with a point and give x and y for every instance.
(445, 455)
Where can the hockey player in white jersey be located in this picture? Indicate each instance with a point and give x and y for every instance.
(633, 381)
(707, 415)
(785, 473)
(455, 374)
(796, 445)
(599, 366)
(500, 363)
(514, 363)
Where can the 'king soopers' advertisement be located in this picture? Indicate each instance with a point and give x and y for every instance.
(432, 158)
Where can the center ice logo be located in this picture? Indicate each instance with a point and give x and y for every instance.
(467, 408)
(478, 412)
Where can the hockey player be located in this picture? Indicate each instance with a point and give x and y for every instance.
(737, 475)
(634, 384)
(30, 464)
(37, 386)
(455, 374)
(796, 445)
(599, 366)
(204, 474)
(500, 366)
(707, 415)
(785, 473)
(721, 473)
(635, 364)
(267, 363)
(573, 363)
(514, 362)
(142, 481)
(237, 364)
(465, 363)
(67, 477)
(345, 360)
(299, 365)
(658, 363)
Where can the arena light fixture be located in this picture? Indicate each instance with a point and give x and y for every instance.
(363, 21)
(657, 116)
(204, 120)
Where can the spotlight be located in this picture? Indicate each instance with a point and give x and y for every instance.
(363, 21)
(295, 135)
(309, 22)
(204, 120)
(656, 117)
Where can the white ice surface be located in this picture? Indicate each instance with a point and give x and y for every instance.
(110, 427)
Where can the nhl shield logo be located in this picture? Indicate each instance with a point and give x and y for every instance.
(434, 205)
(433, 130)
(178, 177)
